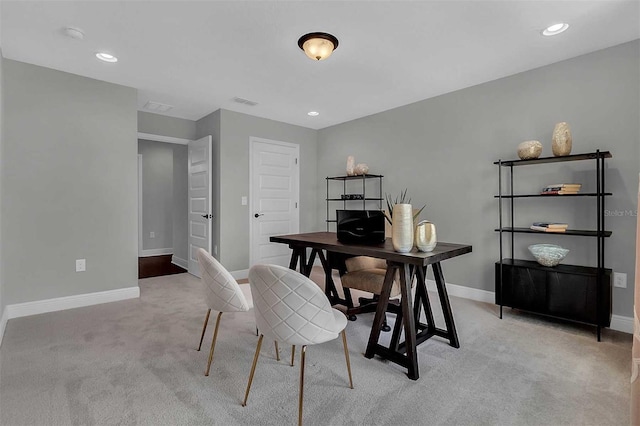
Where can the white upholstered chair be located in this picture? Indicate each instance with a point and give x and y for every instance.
(223, 294)
(291, 308)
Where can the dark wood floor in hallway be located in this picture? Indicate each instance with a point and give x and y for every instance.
(156, 266)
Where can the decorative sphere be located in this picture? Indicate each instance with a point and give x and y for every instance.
(529, 149)
(361, 169)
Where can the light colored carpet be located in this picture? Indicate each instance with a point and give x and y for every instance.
(134, 362)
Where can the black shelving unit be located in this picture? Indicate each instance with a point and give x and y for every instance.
(354, 204)
(532, 287)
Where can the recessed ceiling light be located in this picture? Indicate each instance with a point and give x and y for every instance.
(106, 57)
(313, 113)
(555, 29)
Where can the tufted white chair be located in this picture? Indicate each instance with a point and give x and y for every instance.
(291, 308)
(223, 294)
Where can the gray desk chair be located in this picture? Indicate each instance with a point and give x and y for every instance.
(367, 274)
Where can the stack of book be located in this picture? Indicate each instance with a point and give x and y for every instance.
(549, 227)
(561, 189)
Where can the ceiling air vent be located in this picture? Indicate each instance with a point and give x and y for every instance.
(244, 101)
(157, 106)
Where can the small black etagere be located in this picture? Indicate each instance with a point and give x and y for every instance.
(354, 204)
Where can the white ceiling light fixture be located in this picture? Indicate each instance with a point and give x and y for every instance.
(555, 29)
(106, 57)
(318, 46)
(313, 113)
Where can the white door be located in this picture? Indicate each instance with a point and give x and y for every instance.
(274, 193)
(199, 200)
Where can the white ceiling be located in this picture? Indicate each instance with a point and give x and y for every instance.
(199, 55)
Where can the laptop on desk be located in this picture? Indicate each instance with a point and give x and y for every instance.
(360, 226)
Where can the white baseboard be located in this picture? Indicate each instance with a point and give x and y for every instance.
(61, 303)
(241, 274)
(465, 292)
(3, 323)
(179, 262)
(155, 252)
(618, 322)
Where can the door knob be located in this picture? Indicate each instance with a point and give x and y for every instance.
(207, 216)
(258, 214)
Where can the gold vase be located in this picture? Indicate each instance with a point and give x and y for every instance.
(561, 140)
(425, 238)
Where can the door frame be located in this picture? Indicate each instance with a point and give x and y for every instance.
(154, 138)
(161, 138)
(252, 141)
(140, 237)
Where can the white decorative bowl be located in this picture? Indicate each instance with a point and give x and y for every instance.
(548, 254)
(529, 149)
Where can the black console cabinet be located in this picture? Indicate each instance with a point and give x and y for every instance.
(564, 291)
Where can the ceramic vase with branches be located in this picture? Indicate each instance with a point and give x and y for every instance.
(401, 216)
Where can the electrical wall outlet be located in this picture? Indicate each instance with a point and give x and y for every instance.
(215, 249)
(243, 200)
(81, 265)
(152, 234)
(619, 280)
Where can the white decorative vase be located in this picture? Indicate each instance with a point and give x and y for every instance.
(402, 228)
(351, 166)
(561, 140)
(425, 239)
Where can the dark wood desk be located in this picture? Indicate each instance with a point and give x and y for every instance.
(409, 265)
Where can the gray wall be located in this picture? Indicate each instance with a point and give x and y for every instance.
(157, 194)
(235, 129)
(164, 125)
(442, 149)
(68, 184)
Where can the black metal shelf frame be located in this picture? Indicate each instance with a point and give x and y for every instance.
(355, 199)
(574, 232)
(364, 200)
(583, 194)
(600, 234)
